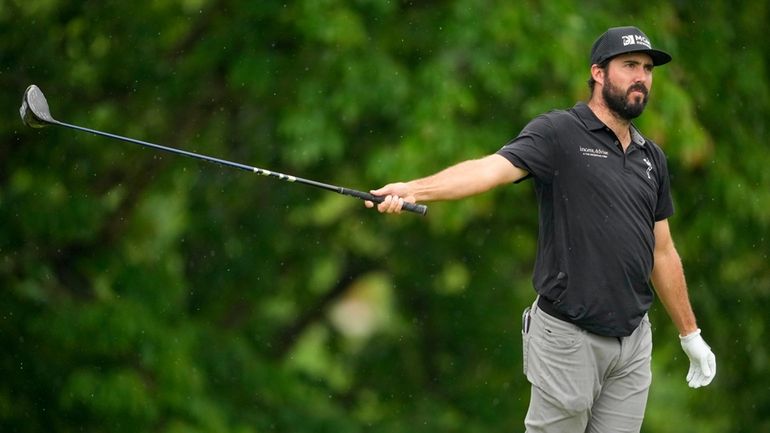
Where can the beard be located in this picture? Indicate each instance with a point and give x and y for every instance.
(620, 103)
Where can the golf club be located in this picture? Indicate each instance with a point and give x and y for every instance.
(35, 113)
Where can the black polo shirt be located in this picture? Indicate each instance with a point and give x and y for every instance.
(597, 209)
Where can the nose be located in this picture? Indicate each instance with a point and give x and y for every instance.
(641, 81)
(643, 75)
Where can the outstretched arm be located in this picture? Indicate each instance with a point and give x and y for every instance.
(668, 279)
(461, 180)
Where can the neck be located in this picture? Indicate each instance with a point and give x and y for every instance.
(620, 126)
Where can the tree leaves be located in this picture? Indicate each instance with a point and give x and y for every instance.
(146, 291)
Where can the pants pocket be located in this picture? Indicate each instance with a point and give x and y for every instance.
(558, 363)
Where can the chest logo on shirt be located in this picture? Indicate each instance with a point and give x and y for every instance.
(597, 153)
(649, 167)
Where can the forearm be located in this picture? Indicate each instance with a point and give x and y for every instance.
(668, 279)
(465, 179)
(671, 287)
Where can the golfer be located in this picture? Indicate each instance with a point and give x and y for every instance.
(604, 202)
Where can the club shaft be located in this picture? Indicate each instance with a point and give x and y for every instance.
(416, 208)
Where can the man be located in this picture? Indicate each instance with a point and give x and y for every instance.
(604, 199)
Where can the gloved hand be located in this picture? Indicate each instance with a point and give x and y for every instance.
(703, 364)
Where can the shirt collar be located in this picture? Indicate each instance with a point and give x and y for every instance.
(589, 119)
(637, 137)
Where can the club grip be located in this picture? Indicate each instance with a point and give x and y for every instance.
(411, 207)
(416, 208)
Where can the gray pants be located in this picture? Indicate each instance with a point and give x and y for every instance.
(582, 382)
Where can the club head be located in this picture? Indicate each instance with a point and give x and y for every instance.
(34, 108)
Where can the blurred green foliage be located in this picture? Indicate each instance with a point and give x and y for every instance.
(149, 292)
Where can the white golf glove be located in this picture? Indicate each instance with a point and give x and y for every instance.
(703, 364)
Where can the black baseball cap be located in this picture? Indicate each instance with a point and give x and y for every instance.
(622, 40)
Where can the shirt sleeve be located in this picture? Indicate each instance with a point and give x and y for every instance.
(533, 150)
(665, 205)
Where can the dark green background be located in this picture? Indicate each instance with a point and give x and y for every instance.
(145, 292)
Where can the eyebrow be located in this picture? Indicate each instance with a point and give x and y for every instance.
(636, 62)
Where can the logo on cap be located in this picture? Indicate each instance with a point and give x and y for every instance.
(635, 40)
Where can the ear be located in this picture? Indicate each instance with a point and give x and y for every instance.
(597, 73)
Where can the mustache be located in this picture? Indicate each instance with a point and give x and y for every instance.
(639, 87)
